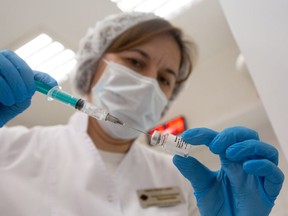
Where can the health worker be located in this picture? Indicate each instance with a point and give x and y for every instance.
(133, 65)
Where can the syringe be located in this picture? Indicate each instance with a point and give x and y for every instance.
(78, 103)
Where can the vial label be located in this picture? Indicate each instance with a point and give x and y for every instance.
(180, 143)
(176, 145)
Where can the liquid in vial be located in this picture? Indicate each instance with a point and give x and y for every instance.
(170, 143)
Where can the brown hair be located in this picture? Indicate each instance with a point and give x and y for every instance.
(142, 32)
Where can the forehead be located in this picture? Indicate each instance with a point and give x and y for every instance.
(163, 49)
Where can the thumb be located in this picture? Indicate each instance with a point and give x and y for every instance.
(198, 174)
(45, 78)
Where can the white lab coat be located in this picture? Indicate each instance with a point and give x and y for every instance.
(57, 171)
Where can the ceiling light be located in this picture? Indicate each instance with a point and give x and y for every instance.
(44, 54)
(163, 8)
(34, 45)
(149, 5)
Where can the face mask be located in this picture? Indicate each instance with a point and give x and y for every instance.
(130, 96)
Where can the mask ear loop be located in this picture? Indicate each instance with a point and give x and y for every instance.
(166, 108)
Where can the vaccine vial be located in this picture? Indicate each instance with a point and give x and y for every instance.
(170, 143)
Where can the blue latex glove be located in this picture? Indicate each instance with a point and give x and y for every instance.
(248, 181)
(17, 85)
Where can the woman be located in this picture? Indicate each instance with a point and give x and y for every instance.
(133, 65)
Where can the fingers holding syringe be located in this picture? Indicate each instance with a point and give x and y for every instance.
(45, 78)
(16, 76)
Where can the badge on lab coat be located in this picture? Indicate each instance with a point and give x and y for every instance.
(168, 196)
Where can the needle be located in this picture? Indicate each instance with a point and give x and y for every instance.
(136, 129)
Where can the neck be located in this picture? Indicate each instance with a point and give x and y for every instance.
(104, 142)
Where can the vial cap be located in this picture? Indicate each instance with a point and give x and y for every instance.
(155, 138)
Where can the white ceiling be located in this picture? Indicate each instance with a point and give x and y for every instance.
(215, 94)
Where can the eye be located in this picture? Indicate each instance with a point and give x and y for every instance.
(163, 81)
(135, 63)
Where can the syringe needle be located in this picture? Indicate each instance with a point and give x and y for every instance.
(113, 119)
(136, 130)
(116, 120)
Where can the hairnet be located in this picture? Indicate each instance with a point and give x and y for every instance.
(97, 40)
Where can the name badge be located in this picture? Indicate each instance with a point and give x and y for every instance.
(168, 196)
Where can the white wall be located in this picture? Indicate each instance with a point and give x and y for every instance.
(260, 29)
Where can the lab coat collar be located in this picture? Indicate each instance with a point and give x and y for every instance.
(79, 121)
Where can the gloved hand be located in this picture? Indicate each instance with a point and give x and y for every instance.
(248, 181)
(17, 85)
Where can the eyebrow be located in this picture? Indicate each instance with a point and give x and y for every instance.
(141, 52)
(145, 55)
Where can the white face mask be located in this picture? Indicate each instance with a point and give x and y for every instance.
(130, 96)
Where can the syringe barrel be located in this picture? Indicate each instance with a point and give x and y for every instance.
(91, 110)
(42, 87)
(78, 103)
(57, 94)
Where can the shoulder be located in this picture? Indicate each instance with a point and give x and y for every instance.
(20, 132)
(36, 138)
(21, 142)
